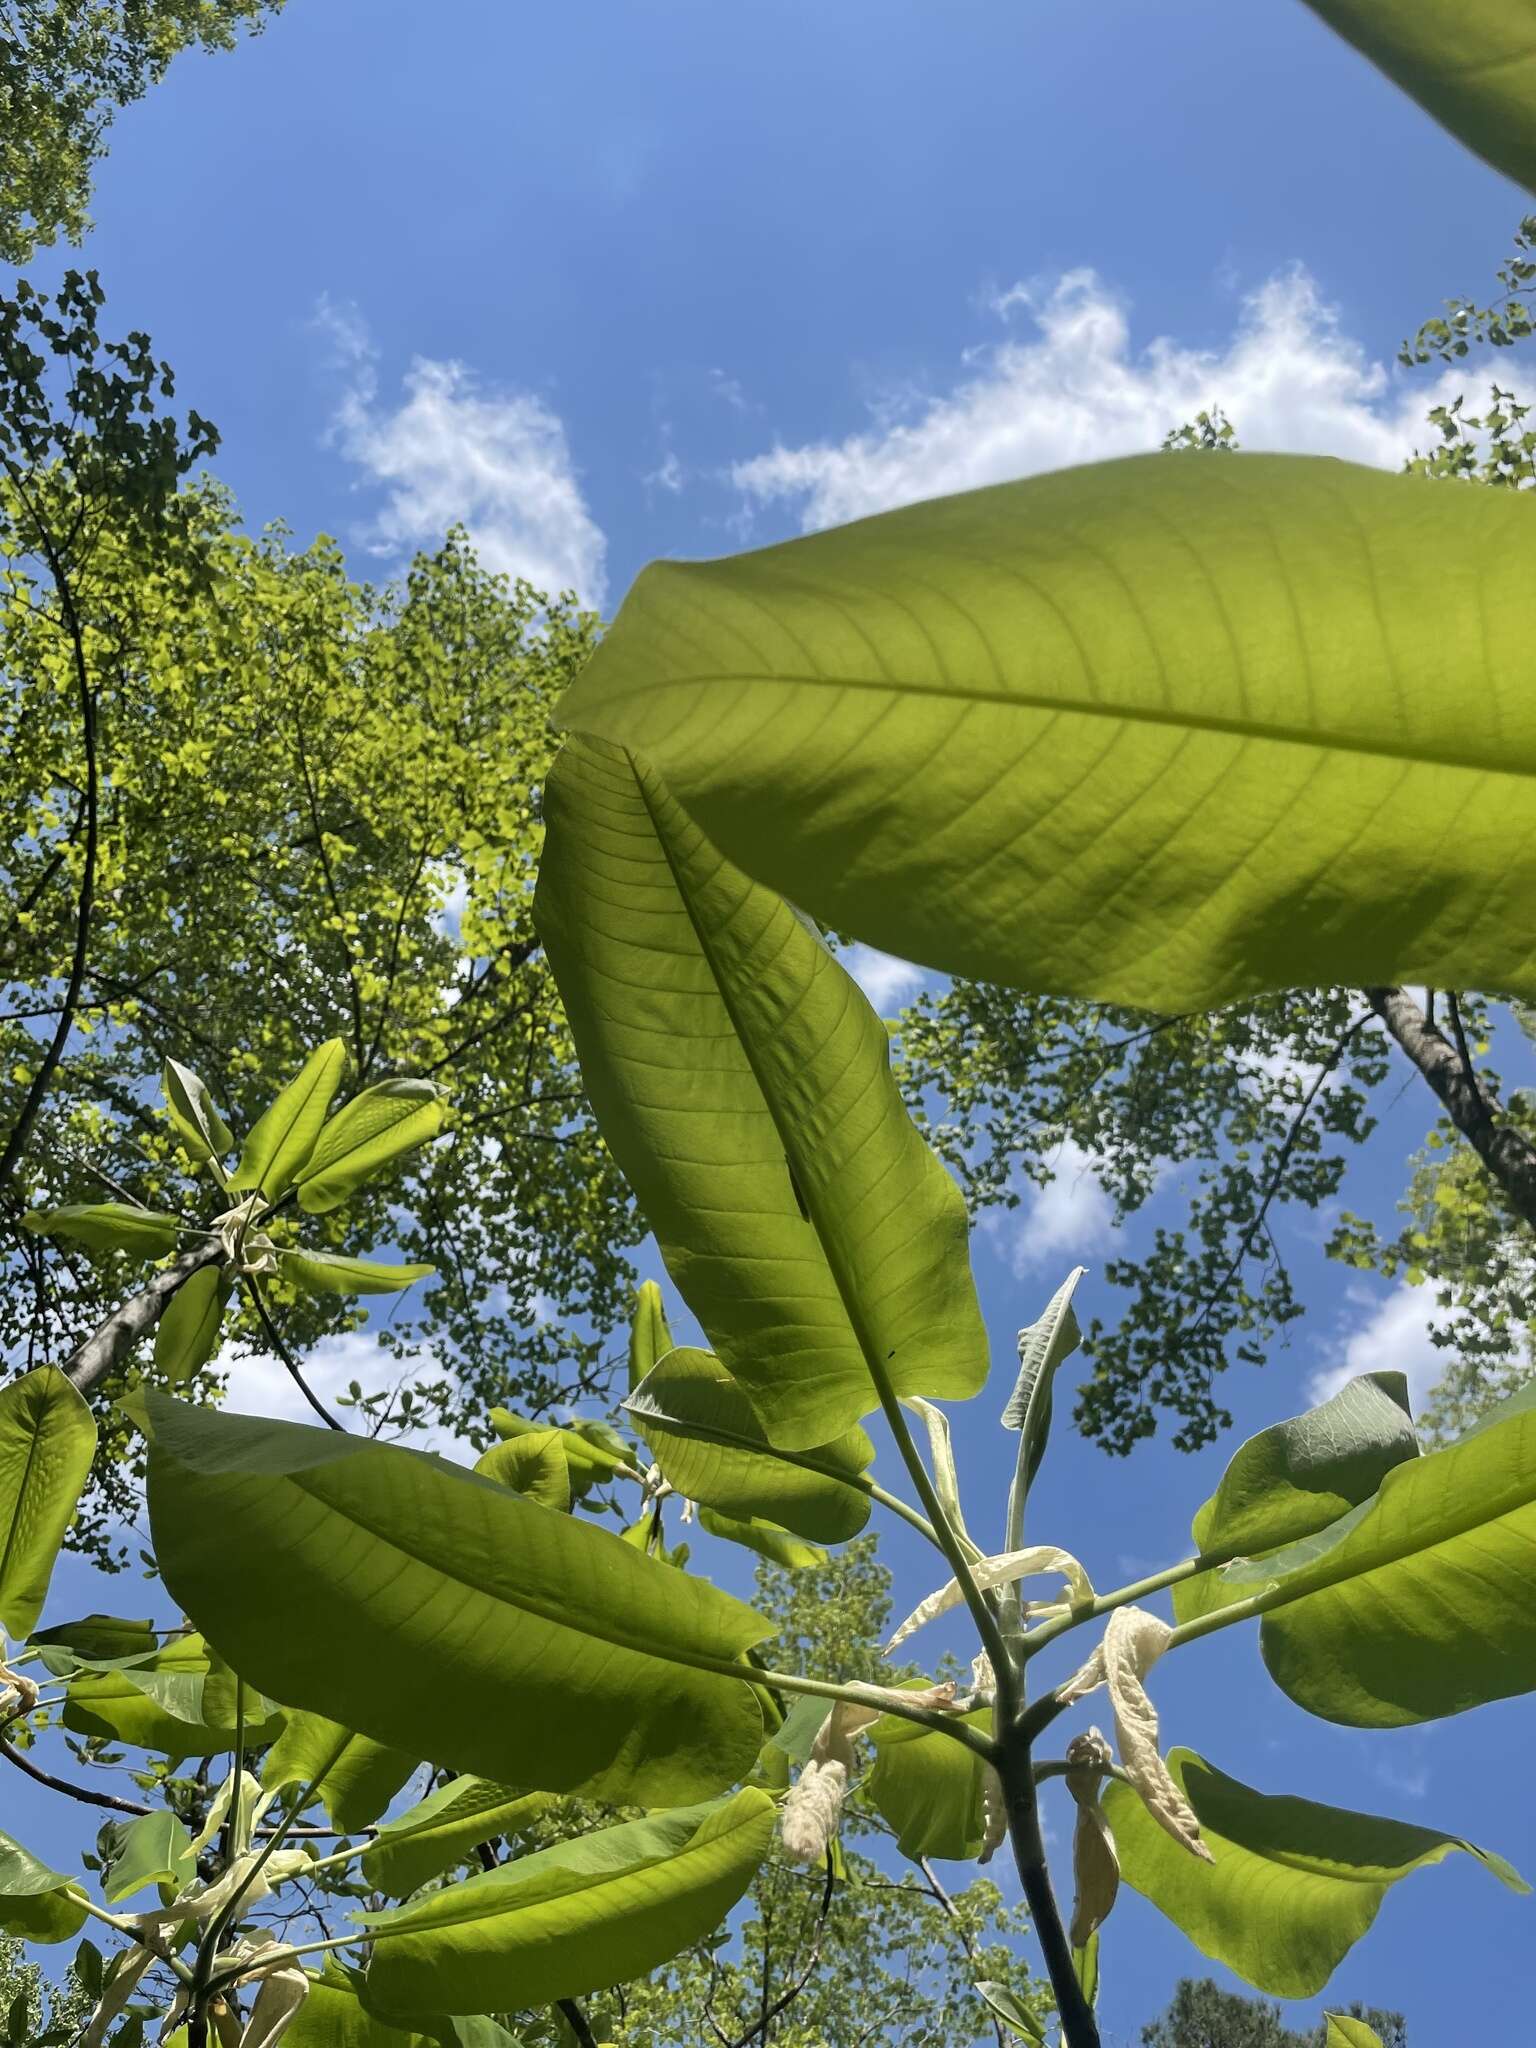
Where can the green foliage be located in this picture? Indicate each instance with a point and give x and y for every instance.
(1202, 2015)
(47, 1439)
(65, 70)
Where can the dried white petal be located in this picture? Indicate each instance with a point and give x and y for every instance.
(129, 1967)
(1095, 1863)
(813, 1809)
(218, 1812)
(18, 1695)
(998, 1571)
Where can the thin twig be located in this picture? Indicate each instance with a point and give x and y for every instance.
(80, 1792)
(295, 1370)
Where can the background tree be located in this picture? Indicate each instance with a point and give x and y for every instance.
(1202, 2015)
(66, 67)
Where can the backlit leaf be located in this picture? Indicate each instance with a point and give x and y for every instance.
(443, 1828)
(282, 1141)
(372, 1131)
(108, 1227)
(353, 1777)
(187, 1335)
(47, 1441)
(330, 1273)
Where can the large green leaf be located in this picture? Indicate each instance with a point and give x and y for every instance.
(533, 1464)
(1425, 1605)
(704, 1434)
(154, 1849)
(47, 1441)
(929, 1787)
(334, 2016)
(35, 1901)
(766, 1538)
(330, 1273)
(1293, 1885)
(353, 1777)
(1470, 63)
(202, 1131)
(1162, 732)
(572, 1918)
(283, 1139)
(743, 1083)
(443, 1828)
(187, 1335)
(374, 1129)
(649, 1337)
(439, 1613)
(108, 1227)
(1294, 1480)
(165, 1702)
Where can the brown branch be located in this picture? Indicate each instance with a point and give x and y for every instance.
(1470, 1103)
(80, 1792)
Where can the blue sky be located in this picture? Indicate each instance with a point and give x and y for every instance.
(611, 281)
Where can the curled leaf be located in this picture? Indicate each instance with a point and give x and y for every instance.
(1095, 1864)
(998, 1571)
(809, 1821)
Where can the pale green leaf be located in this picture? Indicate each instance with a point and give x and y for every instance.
(649, 1337)
(154, 1849)
(108, 1227)
(36, 1902)
(588, 1464)
(572, 1918)
(160, 1703)
(1043, 1347)
(705, 1435)
(1154, 731)
(434, 1611)
(330, 1273)
(1346, 2032)
(766, 1538)
(47, 1441)
(1014, 2014)
(533, 1464)
(445, 1827)
(1293, 1885)
(353, 1777)
(1470, 63)
(1295, 1480)
(187, 1335)
(334, 2016)
(202, 1131)
(929, 1787)
(282, 1141)
(743, 1083)
(373, 1130)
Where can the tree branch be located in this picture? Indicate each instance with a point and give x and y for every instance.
(1470, 1103)
(80, 1792)
(113, 1339)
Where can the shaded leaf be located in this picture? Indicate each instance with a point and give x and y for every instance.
(1015, 2016)
(766, 1538)
(154, 1849)
(443, 1828)
(929, 1787)
(35, 1901)
(158, 1703)
(353, 1777)
(649, 1337)
(743, 1083)
(1043, 1347)
(202, 1131)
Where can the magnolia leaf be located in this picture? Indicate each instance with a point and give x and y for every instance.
(930, 1788)
(334, 2016)
(154, 1849)
(371, 1132)
(47, 1442)
(1014, 2014)
(946, 1480)
(329, 1273)
(108, 1227)
(705, 1435)
(36, 1902)
(1471, 64)
(533, 1465)
(1292, 1885)
(187, 1335)
(766, 1538)
(576, 1917)
(587, 1464)
(743, 1083)
(432, 1610)
(160, 1703)
(443, 1828)
(1043, 1347)
(1154, 732)
(649, 1337)
(352, 1777)
(1346, 2032)
(203, 1132)
(97, 1637)
(282, 1141)
(1421, 1606)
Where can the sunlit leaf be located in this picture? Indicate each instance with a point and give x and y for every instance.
(35, 1901)
(766, 1538)
(202, 1131)
(443, 1828)
(160, 1703)
(47, 1441)
(282, 1141)
(353, 1777)
(108, 1227)
(373, 1130)
(929, 1787)
(533, 1465)
(330, 1273)
(187, 1335)
(154, 1849)
(649, 1337)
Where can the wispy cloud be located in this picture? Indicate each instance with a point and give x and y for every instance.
(887, 981)
(454, 448)
(1073, 389)
(1384, 1333)
(1066, 1220)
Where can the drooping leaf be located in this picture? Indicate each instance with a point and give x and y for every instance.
(36, 1902)
(154, 1849)
(705, 1435)
(159, 1703)
(108, 1227)
(187, 1335)
(649, 1337)
(1293, 1885)
(330, 1273)
(202, 1131)
(434, 1611)
(1295, 1479)
(1471, 64)
(572, 1918)
(1156, 732)
(283, 1139)
(587, 1464)
(929, 1787)
(533, 1465)
(743, 1083)
(443, 1828)
(353, 1777)
(47, 1441)
(1422, 1606)
(334, 2016)
(373, 1130)
(766, 1538)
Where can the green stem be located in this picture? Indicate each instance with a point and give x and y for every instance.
(1122, 1596)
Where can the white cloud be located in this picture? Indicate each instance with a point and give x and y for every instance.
(262, 1385)
(457, 449)
(1075, 390)
(887, 981)
(1392, 1335)
(1066, 1219)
